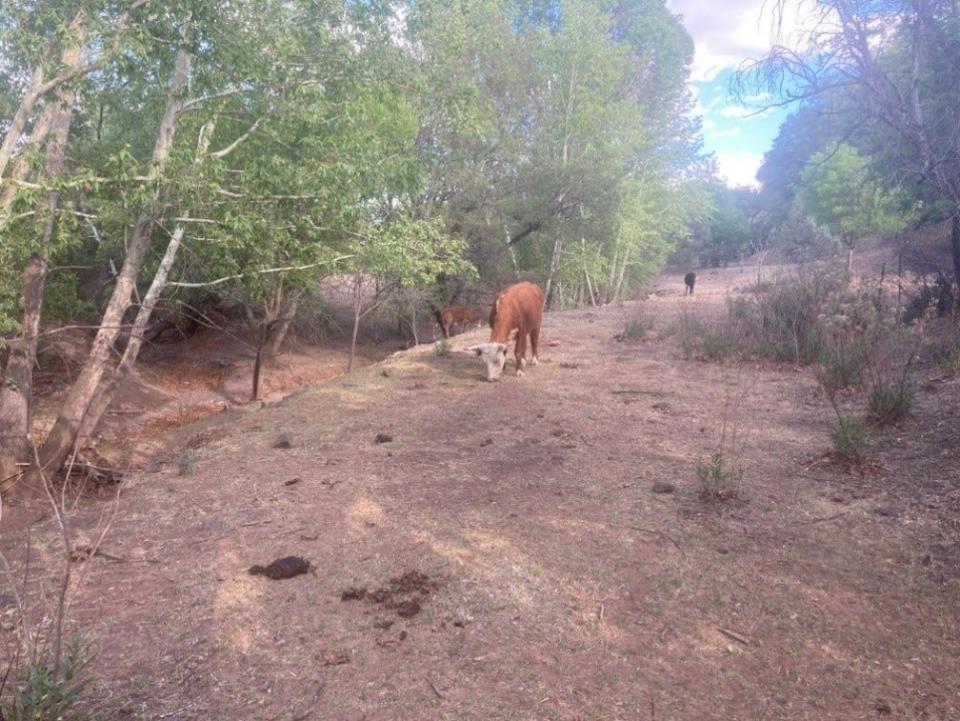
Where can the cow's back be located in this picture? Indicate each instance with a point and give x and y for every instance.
(520, 306)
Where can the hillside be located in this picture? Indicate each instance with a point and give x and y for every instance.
(504, 556)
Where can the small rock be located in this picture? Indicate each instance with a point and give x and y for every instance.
(386, 373)
(283, 441)
(486, 442)
(383, 623)
(282, 568)
(383, 438)
(292, 482)
(663, 487)
(888, 511)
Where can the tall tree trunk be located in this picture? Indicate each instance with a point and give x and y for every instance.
(60, 441)
(21, 166)
(955, 251)
(128, 360)
(281, 325)
(107, 389)
(549, 291)
(17, 387)
(357, 312)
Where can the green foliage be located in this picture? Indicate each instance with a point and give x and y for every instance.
(890, 404)
(851, 441)
(442, 348)
(719, 479)
(42, 694)
(841, 192)
(187, 462)
(949, 358)
(637, 328)
(720, 233)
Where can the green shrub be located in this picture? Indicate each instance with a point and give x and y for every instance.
(948, 359)
(718, 345)
(840, 366)
(442, 348)
(636, 329)
(187, 462)
(889, 405)
(41, 693)
(851, 441)
(718, 481)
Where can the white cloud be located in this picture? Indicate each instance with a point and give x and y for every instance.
(716, 134)
(739, 168)
(726, 33)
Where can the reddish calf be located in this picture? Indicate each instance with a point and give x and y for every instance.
(517, 308)
(456, 315)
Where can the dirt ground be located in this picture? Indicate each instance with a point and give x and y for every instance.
(500, 553)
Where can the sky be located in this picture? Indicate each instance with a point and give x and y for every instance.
(725, 33)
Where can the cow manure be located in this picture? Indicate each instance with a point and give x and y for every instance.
(401, 594)
(283, 441)
(353, 594)
(333, 658)
(383, 438)
(882, 708)
(282, 568)
(408, 608)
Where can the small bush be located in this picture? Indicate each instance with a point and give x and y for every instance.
(636, 329)
(948, 359)
(690, 331)
(889, 405)
(442, 348)
(840, 366)
(718, 345)
(42, 694)
(187, 462)
(851, 441)
(718, 481)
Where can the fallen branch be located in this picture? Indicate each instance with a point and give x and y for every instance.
(735, 636)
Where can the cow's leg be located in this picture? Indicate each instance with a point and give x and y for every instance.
(535, 346)
(521, 352)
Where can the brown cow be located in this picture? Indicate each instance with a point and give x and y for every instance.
(458, 314)
(517, 308)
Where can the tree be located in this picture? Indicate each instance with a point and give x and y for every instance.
(841, 192)
(891, 70)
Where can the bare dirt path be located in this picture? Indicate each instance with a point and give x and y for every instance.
(504, 556)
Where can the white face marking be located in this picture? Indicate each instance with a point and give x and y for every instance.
(494, 355)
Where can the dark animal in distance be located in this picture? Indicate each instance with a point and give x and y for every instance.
(516, 308)
(690, 278)
(286, 567)
(456, 315)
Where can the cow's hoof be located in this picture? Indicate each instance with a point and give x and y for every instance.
(519, 372)
(535, 361)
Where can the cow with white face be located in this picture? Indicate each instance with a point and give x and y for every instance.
(518, 308)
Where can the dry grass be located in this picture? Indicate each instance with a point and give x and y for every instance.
(561, 587)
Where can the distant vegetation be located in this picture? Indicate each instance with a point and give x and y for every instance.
(164, 163)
